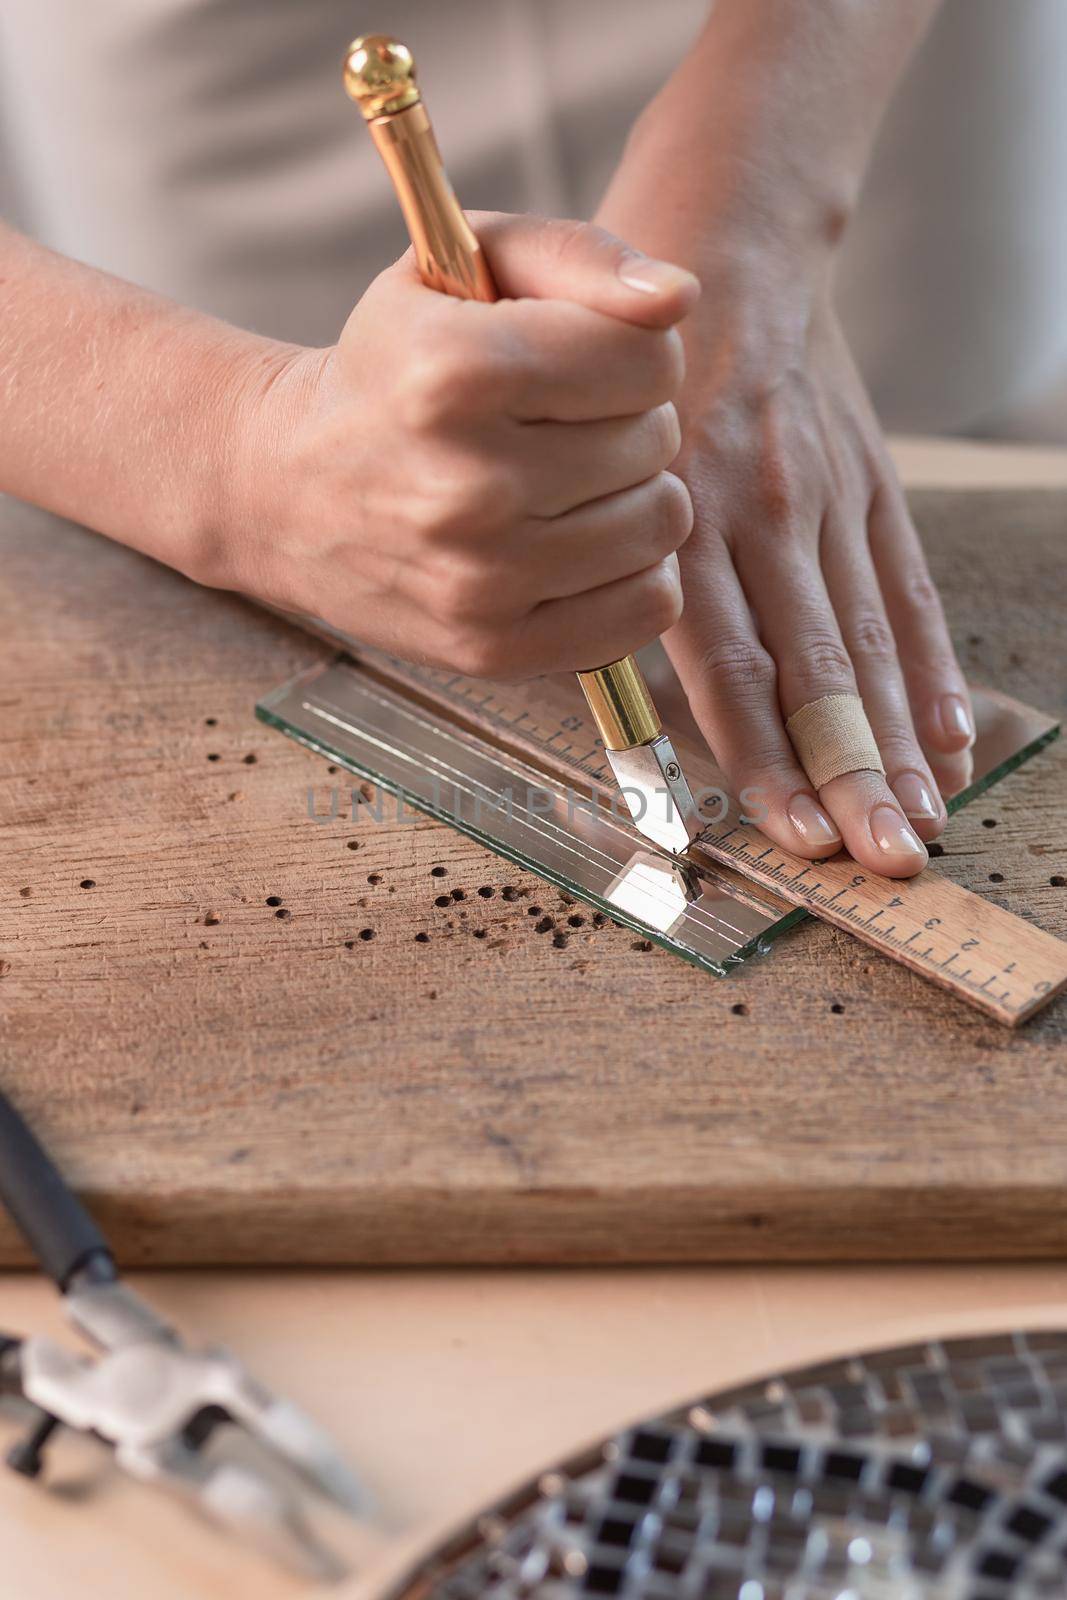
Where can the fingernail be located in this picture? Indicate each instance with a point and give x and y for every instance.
(812, 824)
(914, 795)
(892, 834)
(654, 277)
(956, 718)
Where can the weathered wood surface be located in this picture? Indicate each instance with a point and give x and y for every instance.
(366, 1078)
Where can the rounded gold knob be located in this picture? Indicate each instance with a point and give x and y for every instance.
(380, 75)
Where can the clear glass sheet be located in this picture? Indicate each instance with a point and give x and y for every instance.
(414, 753)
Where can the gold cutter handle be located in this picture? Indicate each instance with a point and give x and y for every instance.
(379, 76)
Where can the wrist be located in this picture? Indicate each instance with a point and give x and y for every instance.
(249, 394)
(743, 208)
(754, 150)
(762, 242)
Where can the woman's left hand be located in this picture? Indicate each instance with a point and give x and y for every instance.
(804, 577)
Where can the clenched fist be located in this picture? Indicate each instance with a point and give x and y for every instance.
(479, 486)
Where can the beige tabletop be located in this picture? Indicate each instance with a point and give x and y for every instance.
(447, 1387)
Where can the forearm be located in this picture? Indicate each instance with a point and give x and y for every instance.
(119, 408)
(759, 140)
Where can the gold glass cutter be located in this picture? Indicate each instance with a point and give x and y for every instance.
(379, 75)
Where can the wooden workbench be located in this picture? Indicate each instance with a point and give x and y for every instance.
(443, 1386)
(219, 1015)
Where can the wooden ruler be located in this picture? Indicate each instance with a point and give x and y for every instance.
(965, 944)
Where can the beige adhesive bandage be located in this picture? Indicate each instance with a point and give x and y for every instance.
(832, 736)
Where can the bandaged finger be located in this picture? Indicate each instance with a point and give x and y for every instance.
(832, 737)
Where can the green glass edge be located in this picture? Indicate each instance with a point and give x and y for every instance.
(1016, 759)
(720, 969)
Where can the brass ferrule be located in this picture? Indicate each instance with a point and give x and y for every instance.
(622, 707)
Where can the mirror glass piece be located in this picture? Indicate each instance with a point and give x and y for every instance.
(935, 1471)
(367, 715)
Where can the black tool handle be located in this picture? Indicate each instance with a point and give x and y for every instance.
(52, 1219)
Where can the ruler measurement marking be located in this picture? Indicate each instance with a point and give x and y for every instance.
(882, 936)
(1044, 959)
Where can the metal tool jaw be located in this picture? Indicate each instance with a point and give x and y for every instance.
(157, 1404)
(659, 799)
(641, 755)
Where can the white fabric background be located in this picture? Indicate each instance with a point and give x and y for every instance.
(205, 147)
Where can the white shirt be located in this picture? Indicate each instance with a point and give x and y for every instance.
(206, 148)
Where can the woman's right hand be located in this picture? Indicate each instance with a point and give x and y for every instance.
(479, 486)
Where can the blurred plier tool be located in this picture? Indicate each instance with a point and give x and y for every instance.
(155, 1402)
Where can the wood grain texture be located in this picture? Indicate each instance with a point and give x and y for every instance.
(374, 1076)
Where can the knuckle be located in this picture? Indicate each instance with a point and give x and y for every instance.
(939, 668)
(778, 494)
(674, 359)
(766, 767)
(666, 363)
(871, 636)
(465, 499)
(899, 748)
(740, 668)
(567, 238)
(920, 593)
(484, 498)
(823, 659)
(783, 497)
(479, 652)
(654, 604)
(664, 604)
(426, 386)
(676, 511)
(440, 379)
(781, 517)
(666, 432)
(464, 591)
